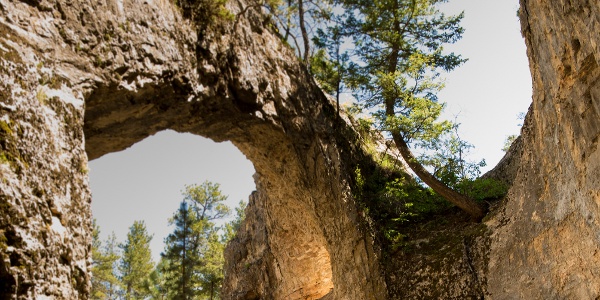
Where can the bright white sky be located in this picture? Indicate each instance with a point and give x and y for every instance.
(145, 181)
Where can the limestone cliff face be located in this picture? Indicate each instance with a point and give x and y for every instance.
(44, 196)
(118, 71)
(543, 240)
(546, 242)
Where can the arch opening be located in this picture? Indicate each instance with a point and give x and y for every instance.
(290, 249)
(236, 81)
(144, 182)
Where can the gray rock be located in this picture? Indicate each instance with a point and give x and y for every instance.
(133, 68)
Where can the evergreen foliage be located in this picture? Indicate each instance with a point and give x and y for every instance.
(136, 262)
(206, 200)
(398, 49)
(211, 270)
(181, 252)
(330, 64)
(157, 282)
(191, 266)
(194, 251)
(204, 12)
(231, 228)
(446, 156)
(105, 283)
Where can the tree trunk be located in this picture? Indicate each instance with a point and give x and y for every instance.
(463, 202)
(305, 39)
(288, 25)
(338, 84)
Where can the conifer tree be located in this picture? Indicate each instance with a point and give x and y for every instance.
(157, 284)
(207, 200)
(211, 270)
(181, 251)
(136, 262)
(193, 249)
(399, 46)
(330, 64)
(231, 228)
(105, 284)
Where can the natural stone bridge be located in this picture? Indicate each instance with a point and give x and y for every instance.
(116, 71)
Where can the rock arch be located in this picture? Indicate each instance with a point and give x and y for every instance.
(283, 124)
(116, 72)
(132, 68)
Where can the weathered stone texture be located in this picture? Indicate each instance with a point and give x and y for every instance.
(444, 259)
(53, 56)
(133, 68)
(546, 240)
(44, 196)
(140, 67)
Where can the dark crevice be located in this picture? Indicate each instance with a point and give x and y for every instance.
(468, 257)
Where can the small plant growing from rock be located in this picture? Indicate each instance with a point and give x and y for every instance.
(41, 96)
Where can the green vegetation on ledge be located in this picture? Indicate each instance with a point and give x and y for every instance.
(394, 203)
(204, 12)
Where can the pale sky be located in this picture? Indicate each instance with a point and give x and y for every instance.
(145, 181)
(494, 86)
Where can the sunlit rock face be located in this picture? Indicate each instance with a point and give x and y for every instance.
(546, 243)
(79, 79)
(133, 68)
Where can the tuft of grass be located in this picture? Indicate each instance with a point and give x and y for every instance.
(205, 12)
(99, 62)
(84, 169)
(41, 96)
(5, 127)
(3, 240)
(4, 158)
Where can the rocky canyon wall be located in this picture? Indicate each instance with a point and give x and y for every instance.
(119, 71)
(543, 240)
(79, 79)
(546, 240)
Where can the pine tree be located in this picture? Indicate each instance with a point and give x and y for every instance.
(330, 64)
(399, 45)
(181, 247)
(194, 249)
(211, 270)
(208, 204)
(105, 283)
(231, 228)
(157, 283)
(136, 262)
(207, 200)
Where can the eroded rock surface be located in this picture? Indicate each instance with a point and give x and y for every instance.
(543, 240)
(133, 68)
(546, 240)
(141, 67)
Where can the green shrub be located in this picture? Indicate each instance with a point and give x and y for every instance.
(483, 188)
(204, 12)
